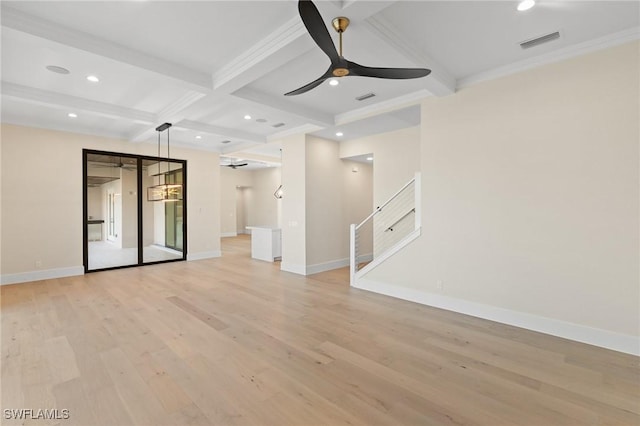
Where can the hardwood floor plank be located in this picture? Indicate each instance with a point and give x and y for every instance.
(235, 341)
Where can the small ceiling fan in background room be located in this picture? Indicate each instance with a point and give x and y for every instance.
(341, 67)
(111, 162)
(233, 163)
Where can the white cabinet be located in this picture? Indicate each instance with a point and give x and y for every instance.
(266, 243)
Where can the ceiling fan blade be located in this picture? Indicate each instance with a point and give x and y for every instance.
(315, 83)
(317, 29)
(394, 73)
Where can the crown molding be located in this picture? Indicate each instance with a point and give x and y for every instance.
(382, 107)
(238, 135)
(303, 129)
(568, 52)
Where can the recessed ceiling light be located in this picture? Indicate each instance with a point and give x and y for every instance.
(338, 134)
(93, 78)
(57, 69)
(247, 117)
(369, 158)
(334, 82)
(526, 5)
(72, 115)
(198, 137)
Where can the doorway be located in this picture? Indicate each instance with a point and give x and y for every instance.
(123, 225)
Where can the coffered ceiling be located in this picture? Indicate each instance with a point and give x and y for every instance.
(205, 65)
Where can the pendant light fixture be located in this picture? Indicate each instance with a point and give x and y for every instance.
(164, 191)
(279, 192)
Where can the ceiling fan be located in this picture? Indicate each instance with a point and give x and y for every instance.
(234, 165)
(119, 165)
(341, 67)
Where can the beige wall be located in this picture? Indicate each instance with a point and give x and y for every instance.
(294, 257)
(332, 197)
(42, 172)
(230, 180)
(396, 159)
(247, 199)
(531, 202)
(262, 208)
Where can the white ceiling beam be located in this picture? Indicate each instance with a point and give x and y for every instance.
(282, 45)
(305, 129)
(173, 113)
(26, 23)
(233, 134)
(60, 101)
(359, 10)
(236, 148)
(440, 82)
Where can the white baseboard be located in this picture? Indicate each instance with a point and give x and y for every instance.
(47, 274)
(290, 267)
(244, 231)
(228, 234)
(204, 255)
(580, 333)
(326, 266)
(314, 269)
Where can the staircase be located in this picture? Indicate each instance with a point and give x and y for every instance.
(386, 230)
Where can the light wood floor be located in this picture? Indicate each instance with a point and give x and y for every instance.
(234, 341)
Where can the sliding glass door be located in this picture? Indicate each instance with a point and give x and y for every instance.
(134, 210)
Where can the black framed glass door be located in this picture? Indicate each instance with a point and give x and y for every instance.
(134, 210)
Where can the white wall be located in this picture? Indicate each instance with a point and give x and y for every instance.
(95, 203)
(531, 202)
(27, 155)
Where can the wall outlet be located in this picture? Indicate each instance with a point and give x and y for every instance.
(439, 285)
(38, 263)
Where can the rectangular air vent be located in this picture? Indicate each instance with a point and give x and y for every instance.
(227, 141)
(540, 40)
(278, 125)
(366, 96)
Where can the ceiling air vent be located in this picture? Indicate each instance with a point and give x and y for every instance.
(278, 125)
(366, 96)
(540, 40)
(227, 141)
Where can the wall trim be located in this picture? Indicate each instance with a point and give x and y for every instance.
(326, 266)
(594, 336)
(290, 267)
(568, 52)
(204, 255)
(47, 274)
(228, 234)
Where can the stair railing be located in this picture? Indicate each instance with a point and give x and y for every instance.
(386, 227)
